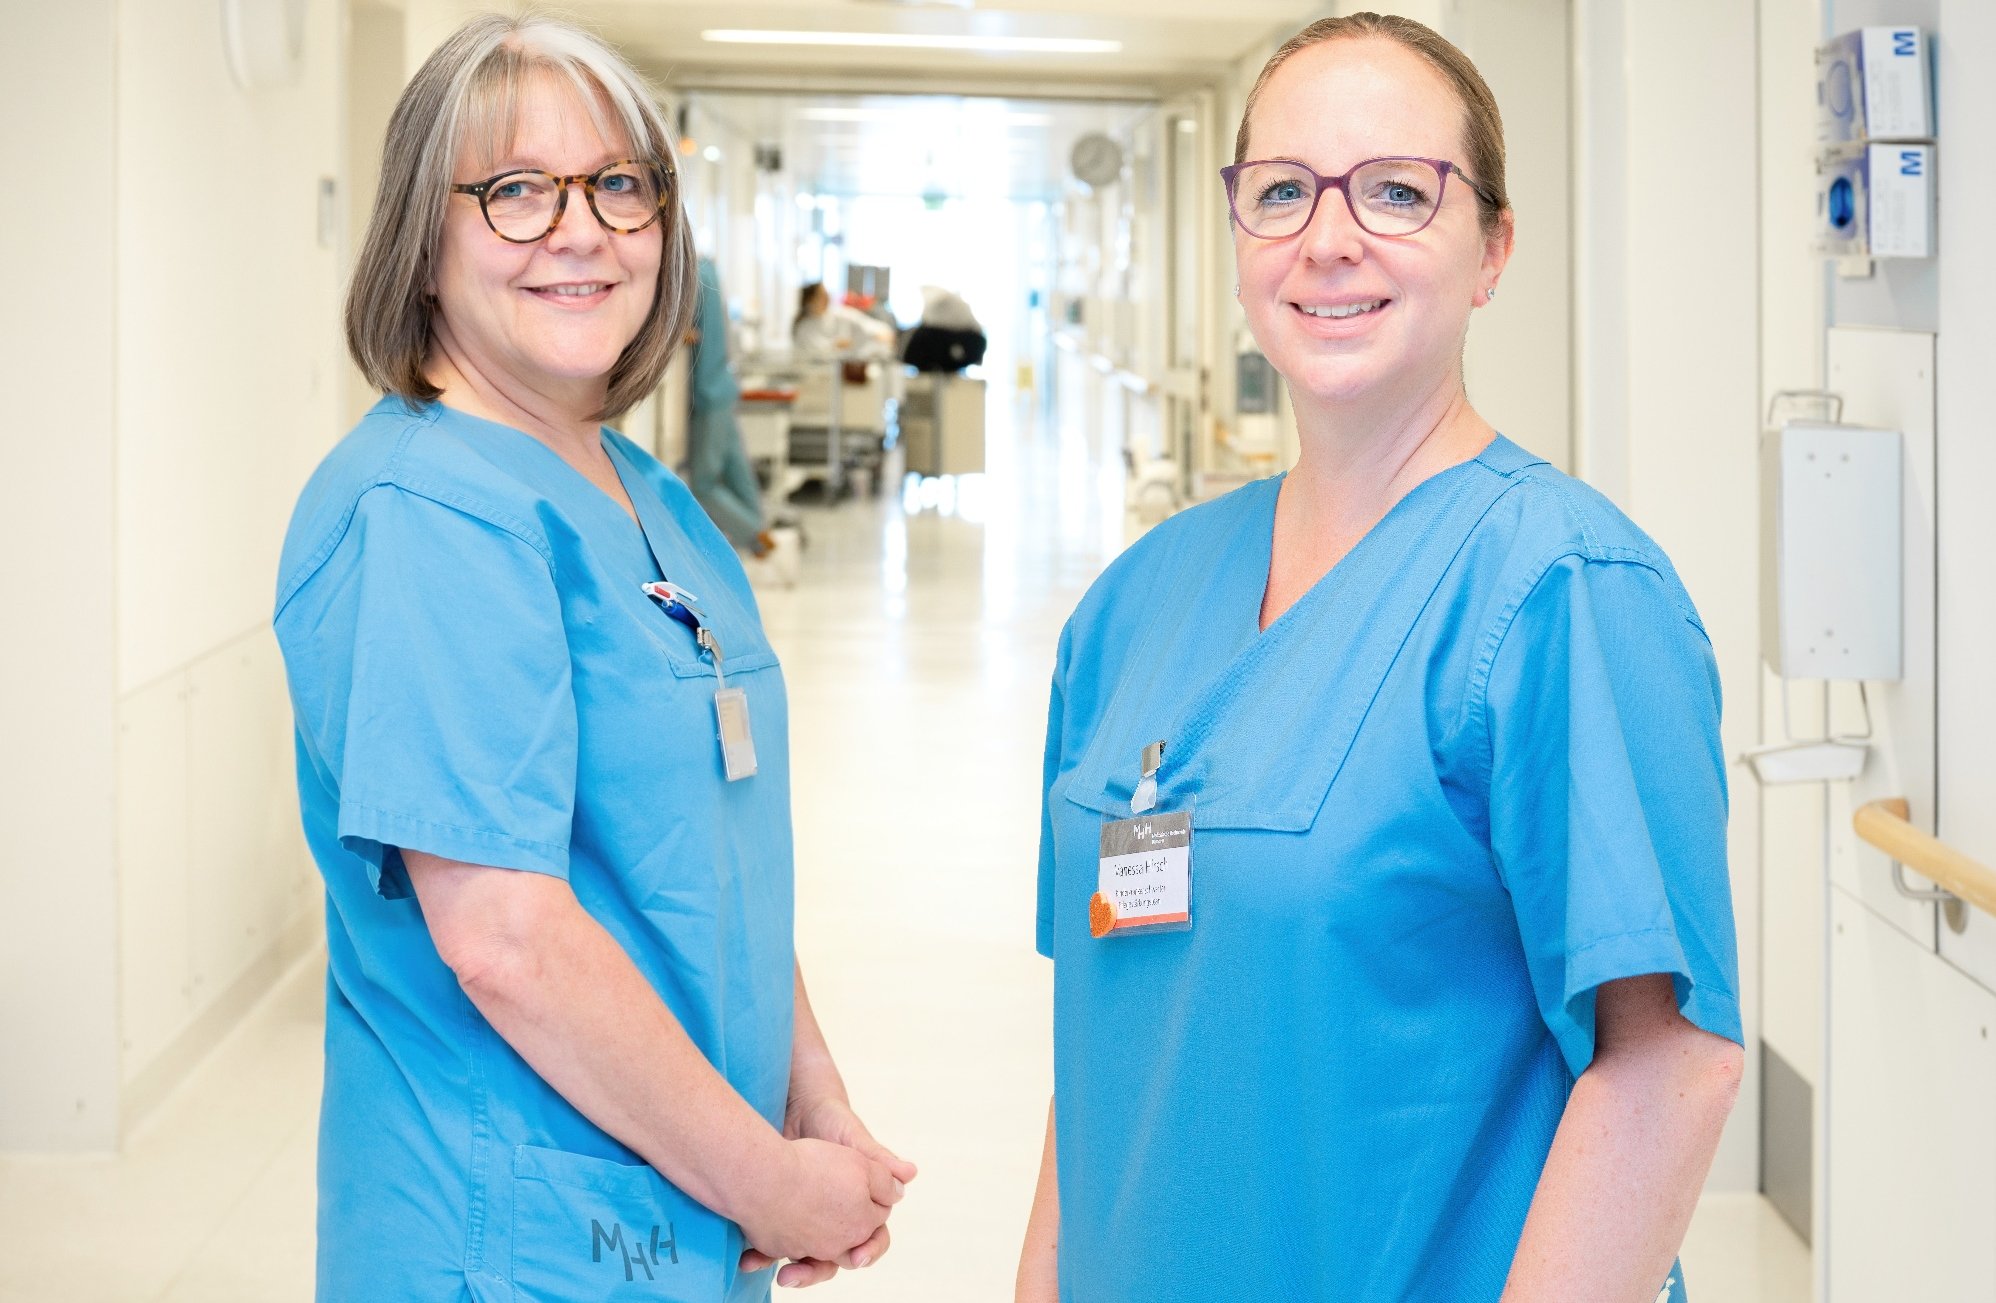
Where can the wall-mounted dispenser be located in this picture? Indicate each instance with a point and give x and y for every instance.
(1831, 498)
(1831, 554)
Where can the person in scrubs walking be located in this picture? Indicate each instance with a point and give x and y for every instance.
(542, 751)
(717, 465)
(1383, 859)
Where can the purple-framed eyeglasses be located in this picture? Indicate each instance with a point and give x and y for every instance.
(1273, 199)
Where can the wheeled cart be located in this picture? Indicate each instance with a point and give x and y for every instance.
(942, 424)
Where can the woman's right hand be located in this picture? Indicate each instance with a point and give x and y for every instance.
(821, 1201)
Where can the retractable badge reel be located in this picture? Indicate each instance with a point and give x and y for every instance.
(731, 714)
(1143, 880)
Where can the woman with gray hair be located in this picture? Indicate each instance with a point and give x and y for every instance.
(542, 750)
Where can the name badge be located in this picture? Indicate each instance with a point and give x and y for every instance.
(737, 745)
(1143, 881)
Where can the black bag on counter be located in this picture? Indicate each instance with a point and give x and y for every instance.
(931, 348)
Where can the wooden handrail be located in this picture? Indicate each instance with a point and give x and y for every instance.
(1884, 825)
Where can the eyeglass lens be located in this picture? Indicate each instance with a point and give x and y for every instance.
(1388, 196)
(521, 205)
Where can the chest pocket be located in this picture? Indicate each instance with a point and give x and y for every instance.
(744, 648)
(1256, 740)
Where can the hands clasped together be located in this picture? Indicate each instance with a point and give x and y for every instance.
(829, 1199)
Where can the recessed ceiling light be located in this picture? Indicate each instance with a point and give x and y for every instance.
(846, 115)
(916, 41)
(841, 113)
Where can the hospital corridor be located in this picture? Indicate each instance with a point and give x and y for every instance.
(624, 620)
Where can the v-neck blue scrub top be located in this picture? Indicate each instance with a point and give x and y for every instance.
(476, 673)
(1470, 776)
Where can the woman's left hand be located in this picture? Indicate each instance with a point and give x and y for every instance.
(829, 1117)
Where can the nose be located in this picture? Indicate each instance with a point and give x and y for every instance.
(576, 229)
(1333, 234)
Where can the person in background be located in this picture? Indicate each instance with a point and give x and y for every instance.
(718, 470)
(824, 329)
(567, 1042)
(1383, 865)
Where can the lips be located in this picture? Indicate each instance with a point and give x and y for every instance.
(572, 293)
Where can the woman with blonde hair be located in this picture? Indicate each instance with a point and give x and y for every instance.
(542, 750)
(1383, 867)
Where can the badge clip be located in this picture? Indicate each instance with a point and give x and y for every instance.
(1145, 797)
(1144, 876)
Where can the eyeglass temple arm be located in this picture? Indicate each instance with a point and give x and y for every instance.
(1476, 186)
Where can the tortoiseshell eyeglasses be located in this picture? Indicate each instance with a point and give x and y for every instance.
(523, 205)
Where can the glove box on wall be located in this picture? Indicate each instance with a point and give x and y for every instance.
(1876, 201)
(1873, 84)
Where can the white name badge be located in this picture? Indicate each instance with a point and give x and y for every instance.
(737, 745)
(1143, 881)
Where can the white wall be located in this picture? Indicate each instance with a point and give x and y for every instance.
(231, 385)
(1668, 374)
(426, 23)
(375, 77)
(1518, 365)
(1792, 282)
(58, 962)
(1112, 246)
(192, 376)
(227, 361)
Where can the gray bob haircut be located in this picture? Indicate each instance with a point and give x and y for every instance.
(465, 99)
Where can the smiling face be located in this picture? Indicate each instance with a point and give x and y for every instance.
(551, 317)
(1350, 319)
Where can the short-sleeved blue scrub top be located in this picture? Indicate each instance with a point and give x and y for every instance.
(476, 673)
(1470, 776)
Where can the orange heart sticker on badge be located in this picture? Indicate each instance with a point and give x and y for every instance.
(1101, 915)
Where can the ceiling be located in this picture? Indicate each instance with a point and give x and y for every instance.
(911, 145)
(1166, 44)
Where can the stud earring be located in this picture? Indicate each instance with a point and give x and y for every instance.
(1237, 289)
(1490, 294)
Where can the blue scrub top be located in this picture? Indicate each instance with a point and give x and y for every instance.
(476, 673)
(1470, 776)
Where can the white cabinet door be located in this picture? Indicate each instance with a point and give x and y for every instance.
(1911, 1167)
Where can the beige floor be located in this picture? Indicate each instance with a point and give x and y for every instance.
(917, 649)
